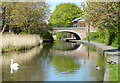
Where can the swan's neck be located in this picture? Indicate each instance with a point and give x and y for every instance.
(11, 62)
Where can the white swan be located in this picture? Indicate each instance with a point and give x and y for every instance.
(14, 66)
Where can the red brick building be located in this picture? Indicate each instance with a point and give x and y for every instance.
(78, 22)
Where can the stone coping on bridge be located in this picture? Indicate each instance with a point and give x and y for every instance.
(68, 27)
(105, 50)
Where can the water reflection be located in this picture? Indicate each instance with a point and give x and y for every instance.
(30, 66)
(64, 64)
(68, 46)
(55, 62)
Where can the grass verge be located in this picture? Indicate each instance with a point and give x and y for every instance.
(113, 72)
(95, 37)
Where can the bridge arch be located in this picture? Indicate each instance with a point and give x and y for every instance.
(77, 35)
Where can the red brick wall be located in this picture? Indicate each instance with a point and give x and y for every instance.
(80, 24)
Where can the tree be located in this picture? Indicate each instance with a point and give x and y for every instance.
(29, 16)
(64, 13)
(4, 7)
(104, 16)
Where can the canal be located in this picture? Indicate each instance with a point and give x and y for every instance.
(60, 61)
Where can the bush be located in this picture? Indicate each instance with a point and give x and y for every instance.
(93, 36)
(46, 35)
(116, 42)
(105, 37)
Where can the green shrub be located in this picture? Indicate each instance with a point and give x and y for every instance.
(93, 36)
(46, 35)
(116, 42)
(104, 36)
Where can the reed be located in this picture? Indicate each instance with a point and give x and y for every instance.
(19, 40)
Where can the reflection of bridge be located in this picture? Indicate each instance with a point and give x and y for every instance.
(76, 52)
(78, 32)
(76, 47)
(81, 53)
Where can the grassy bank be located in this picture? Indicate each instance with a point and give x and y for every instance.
(113, 72)
(94, 36)
(16, 42)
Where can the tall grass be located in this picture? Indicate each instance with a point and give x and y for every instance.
(16, 40)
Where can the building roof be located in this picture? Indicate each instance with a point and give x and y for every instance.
(78, 19)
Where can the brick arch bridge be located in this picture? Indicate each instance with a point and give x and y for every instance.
(78, 32)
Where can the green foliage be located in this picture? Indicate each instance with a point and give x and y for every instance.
(93, 36)
(29, 16)
(46, 35)
(113, 72)
(116, 42)
(64, 13)
(61, 35)
(102, 37)
(105, 17)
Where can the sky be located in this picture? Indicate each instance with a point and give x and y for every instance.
(53, 3)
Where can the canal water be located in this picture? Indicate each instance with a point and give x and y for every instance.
(60, 61)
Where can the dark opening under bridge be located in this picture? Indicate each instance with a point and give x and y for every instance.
(78, 32)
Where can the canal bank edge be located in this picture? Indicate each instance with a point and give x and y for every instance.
(105, 50)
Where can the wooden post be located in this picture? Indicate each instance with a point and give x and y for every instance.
(88, 32)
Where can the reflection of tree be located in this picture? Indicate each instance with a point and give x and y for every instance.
(99, 74)
(60, 45)
(64, 64)
(101, 61)
(46, 49)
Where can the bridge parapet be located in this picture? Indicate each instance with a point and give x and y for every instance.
(68, 27)
(79, 32)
